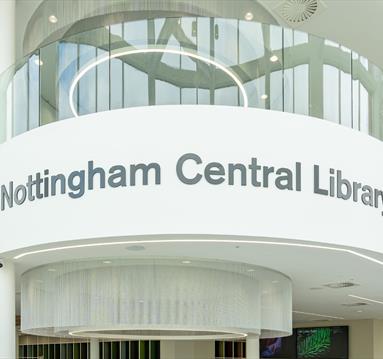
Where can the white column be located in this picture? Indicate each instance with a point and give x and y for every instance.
(94, 349)
(7, 311)
(252, 346)
(187, 349)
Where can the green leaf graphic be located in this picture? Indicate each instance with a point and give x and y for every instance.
(315, 344)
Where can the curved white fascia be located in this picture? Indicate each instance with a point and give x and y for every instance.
(162, 135)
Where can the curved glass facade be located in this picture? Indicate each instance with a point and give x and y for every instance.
(192, 60)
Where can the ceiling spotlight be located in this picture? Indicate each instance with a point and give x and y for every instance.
(274, 58)
(249, 16)
(51, 270)
(107, 262)
(264, 97)
(186, 262)
(359, 311)
(52, 19)
(38, 62)
(251, 270)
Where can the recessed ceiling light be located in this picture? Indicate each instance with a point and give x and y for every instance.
(251, 270)
(186, 262)
(141, 301)
(249, 16)
(135, 248)
(367, 299)
(39, 62)
(274, 58)
(264, 97)
(52, 19)
(107, 262)
(51, 270)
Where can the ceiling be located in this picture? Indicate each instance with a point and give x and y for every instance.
(309, 268)
(356, 24)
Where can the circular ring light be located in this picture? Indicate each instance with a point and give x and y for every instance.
(159, 334)
(193, 55)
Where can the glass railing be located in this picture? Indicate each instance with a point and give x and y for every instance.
(192, 60)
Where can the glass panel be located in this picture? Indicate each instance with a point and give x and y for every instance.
(134, 350)
(50, 58)
(76, 351)
(144, 349)
(155, 349)
(124, 350)
(229, 349)
(67, 69)
(331, 93)
(115, 350)
(20, 100)
(33, 91)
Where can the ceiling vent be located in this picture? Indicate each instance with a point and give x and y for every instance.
(297, 12)
(360, 304)
(340, 285)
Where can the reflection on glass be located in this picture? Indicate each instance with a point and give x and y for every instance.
(331, 93)
(281, 69)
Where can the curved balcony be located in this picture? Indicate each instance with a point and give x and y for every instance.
(191, 60)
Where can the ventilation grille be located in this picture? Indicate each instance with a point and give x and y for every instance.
(340, 285)
(296, 12)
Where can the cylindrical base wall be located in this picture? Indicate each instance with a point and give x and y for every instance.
(7, 312)
(157, 299)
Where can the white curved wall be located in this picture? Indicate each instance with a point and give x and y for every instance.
(163, 135)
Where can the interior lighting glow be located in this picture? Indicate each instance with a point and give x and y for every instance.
(125, 53)
(274, 58)
(53, 19)
(317, 315)
(249, 16)
(39, 62)
(366, 299)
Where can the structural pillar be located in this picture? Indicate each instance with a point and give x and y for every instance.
(252, 346)
(7, 311)
(94, 349)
